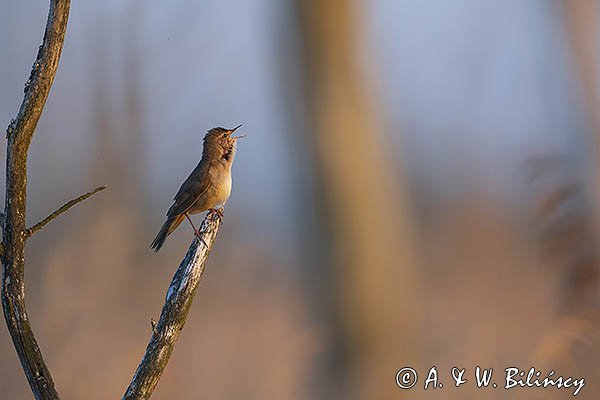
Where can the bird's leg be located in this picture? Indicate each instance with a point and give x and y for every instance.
(196, 232)
(191, 223)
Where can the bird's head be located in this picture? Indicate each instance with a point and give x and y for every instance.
(220, 142)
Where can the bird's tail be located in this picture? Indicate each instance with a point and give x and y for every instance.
(169, 226)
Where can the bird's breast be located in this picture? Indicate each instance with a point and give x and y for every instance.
(222, 190)
(218, 191)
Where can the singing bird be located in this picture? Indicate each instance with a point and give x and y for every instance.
(207, 188)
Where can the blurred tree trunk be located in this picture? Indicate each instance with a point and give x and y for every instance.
(106, 165)
(118, 107)
(570, 345)
(568, 216)
(582, 28)
(363, 221)
(132, 107)
(582, 20)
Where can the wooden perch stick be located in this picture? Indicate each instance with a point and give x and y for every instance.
(174, 312)
(64, 208)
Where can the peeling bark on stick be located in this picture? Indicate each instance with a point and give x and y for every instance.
(177, 305)
(19, 134)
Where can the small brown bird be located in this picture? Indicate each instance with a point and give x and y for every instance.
(208, 186)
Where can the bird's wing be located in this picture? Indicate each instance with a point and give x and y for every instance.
(192, 189)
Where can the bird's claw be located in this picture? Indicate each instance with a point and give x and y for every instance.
(218, 211)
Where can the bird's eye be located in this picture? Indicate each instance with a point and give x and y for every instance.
(224, 135)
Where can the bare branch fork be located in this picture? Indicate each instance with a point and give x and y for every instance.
(12, 252)
(174, 313)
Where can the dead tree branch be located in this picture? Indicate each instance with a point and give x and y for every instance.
(65, 207)
(19, 134)
(177, 305)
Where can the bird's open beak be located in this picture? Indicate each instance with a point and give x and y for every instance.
(234, 129)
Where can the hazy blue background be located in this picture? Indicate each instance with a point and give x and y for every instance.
(467, 92)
